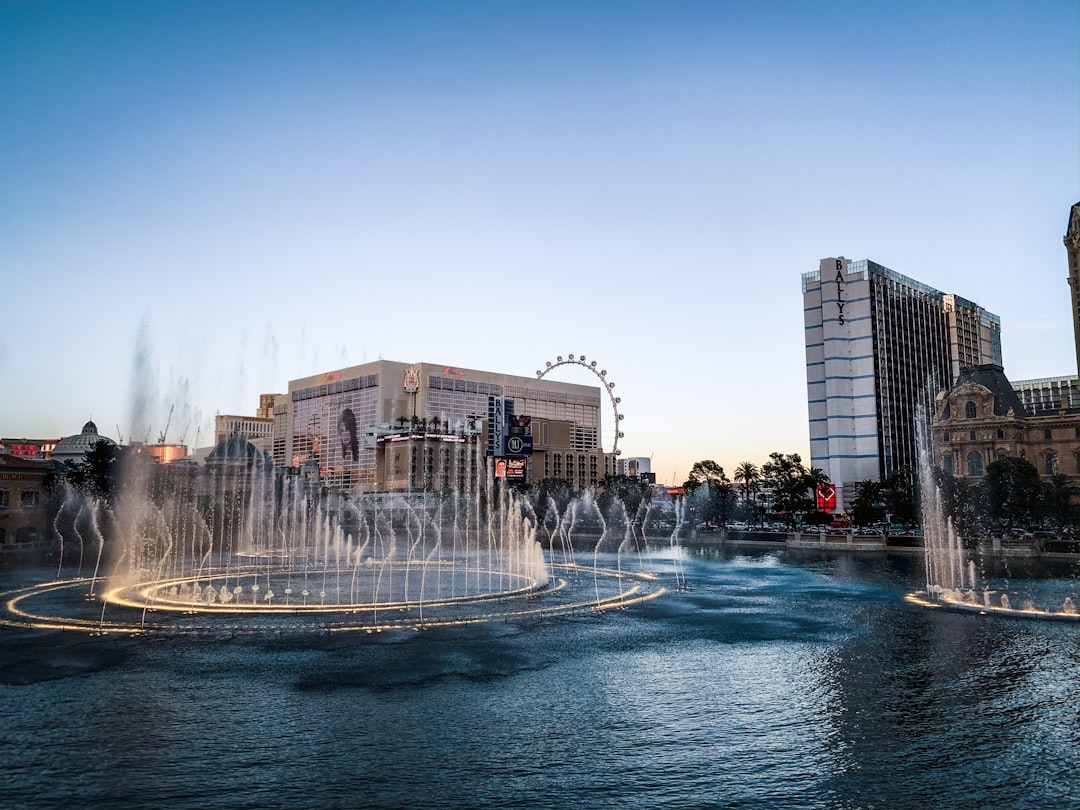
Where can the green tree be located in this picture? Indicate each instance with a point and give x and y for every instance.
(709, 492)
(1058, 496)
(1014, 491)
(630, 491)
(551, 494)
(98, 474)
(792, 485)
(898, 494)
(865, 508)
(748, 474)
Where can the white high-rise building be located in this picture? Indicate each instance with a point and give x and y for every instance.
(878, 342)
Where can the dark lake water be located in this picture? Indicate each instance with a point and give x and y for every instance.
(775, 680)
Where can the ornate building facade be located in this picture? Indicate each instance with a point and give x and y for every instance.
(981, 419)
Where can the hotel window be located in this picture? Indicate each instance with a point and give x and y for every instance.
(946, 464)
(971, 435)
(3, 497)
(969, 410)
(29, 497)
(1047, 435)
(1001, 433)
(975, 464)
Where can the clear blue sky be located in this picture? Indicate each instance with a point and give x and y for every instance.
(200, 201)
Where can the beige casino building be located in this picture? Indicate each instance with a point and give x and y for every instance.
(386, 425)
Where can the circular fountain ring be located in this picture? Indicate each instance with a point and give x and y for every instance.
(73, 604)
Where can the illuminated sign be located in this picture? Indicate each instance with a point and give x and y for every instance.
(519, 442)
(826, 498)
(453, 372)
(496, 425)
(333, 375)
(512, 469)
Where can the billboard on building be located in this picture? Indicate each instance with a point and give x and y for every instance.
(512, 469)
(519, 441)
(329, 430)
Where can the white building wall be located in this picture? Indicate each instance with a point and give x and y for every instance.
(841, 385)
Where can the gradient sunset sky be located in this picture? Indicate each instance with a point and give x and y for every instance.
(200, 201)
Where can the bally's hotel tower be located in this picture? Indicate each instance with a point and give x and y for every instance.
(877, 343)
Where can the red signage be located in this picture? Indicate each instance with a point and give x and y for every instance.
(826, 498)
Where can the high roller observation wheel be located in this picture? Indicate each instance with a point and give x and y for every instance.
(605, 383)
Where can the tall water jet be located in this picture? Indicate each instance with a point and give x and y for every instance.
(947, 571)
(951, 572)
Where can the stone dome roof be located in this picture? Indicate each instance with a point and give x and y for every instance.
(74, 448)
(239, 451)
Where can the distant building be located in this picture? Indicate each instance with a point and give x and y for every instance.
(640, 468)
(28, 448)
(73, 449)
(877, 343)
(257, 429)
(538, 427)
(980, 419)
(1048, 393)
(24, 524)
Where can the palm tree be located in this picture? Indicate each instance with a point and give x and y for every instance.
(748, 474)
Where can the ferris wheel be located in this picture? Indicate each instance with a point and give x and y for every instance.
(608, 438)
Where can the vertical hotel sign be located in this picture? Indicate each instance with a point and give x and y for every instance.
(840, 290)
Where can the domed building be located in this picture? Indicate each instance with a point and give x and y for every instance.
(73, 449)
(981, 419)
(236, 452)
(237, 483)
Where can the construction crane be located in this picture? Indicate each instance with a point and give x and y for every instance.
(161, 437)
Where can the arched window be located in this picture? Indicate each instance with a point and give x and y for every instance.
(946, 436)
(1047, 435)
(969, 410)
(947, 467)
(1001, 433)
(1050, 463)
(975, 464)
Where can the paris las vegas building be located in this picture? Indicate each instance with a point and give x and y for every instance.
(878, 342)
(388, 426)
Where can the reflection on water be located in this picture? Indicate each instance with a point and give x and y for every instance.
(773, 681)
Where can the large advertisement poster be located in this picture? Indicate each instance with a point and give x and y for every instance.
(330, 431)
(512, 469)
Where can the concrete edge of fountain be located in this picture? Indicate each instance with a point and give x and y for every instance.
(923, 599)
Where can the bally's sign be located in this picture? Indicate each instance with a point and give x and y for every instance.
(840, 290)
